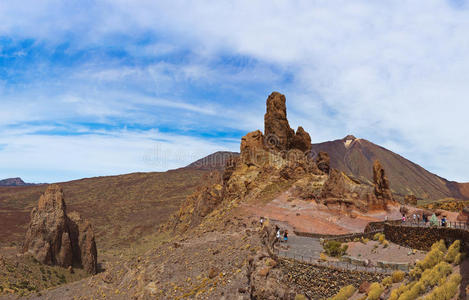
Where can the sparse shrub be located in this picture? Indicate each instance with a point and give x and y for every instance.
(322, 256)
(344, 293)
(447, 290)
(385, 244)
(440, 245)
(387, 281)
(300, 297)
(398, 276)
(431, 259)
(430, 277)
(376, 236)
(458, 259)
(364, 240)
(453, 251)
(399, 291)
(413, 293)
(382, 238)
(375, 291)
(335, 249)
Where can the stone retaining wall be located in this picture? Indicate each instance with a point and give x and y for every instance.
(343, 238)
(422, 238)
(319, 282)
(379, 226)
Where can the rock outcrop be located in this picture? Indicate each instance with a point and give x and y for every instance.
(276, 127)
(82, 236)
(278, 134)
(381, 182)
(55, 239)
(324, 162)
(251, 144)
(301, 140)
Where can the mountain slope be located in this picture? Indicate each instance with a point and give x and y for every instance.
(356, 156)
(122, 208)
(214, 161)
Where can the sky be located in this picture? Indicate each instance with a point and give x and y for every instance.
(92, 88)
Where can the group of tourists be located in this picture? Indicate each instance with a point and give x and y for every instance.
(433, 220)
(281, 236)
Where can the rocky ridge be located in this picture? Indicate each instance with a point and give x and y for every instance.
(274, 161)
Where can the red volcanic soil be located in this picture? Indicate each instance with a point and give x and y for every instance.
(308, 216)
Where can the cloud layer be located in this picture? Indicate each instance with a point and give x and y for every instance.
(195, 75)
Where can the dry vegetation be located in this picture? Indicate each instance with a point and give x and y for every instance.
(24, 276)
(434, 277)
(449, 204)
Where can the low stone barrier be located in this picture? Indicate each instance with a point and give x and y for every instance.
(422, 238)
(318, 282)
(380, 264)
(379, 226)
(343, 238)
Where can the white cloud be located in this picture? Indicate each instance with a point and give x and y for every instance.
(99, 153)
(394, 72)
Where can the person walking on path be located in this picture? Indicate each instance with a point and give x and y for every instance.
(403, 219)
(415, 218)
(262, 221)
(285, 236)
(277, 233)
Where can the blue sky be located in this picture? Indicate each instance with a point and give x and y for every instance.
(91, 88)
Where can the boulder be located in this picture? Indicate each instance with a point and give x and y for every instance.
(364, 287)
(54, 239)
(324, 162)
(301, 140)
(251, 144)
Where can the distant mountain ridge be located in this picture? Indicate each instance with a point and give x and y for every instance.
(14, 182)
(356, 156)
(214, 161)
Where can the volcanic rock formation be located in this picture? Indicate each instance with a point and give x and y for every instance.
(278, 134)
(55, 239)
(275, 162)
(381, 182)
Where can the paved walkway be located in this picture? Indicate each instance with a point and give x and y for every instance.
(298, 246)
